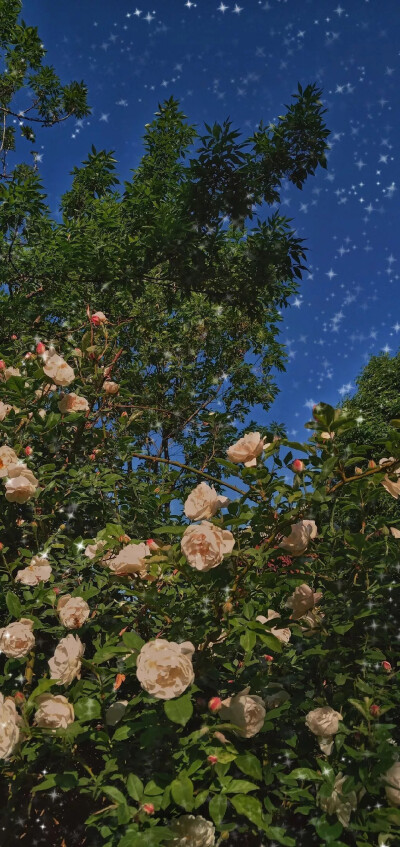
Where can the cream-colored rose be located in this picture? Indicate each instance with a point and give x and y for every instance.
(92, 549)
(245, 710)
(73, 403)
(116, 712)
(330, 435)
(247, 449)
(20, 487)
(100, 318)
(130, 560)
(21, 469)
(392, 787)
(301, 534)
(110, 387)
(341, 805)
(65, 665)
(205, 545)
(17, 639)
(57, 369)
(10, 722)
(303, 600)
(54, 712)
(73, 611)
(164, 668)
(7, 458)
(192, 831)
(204, 502)
(37, 571)
(395, 532)
(276, 696)
(393, 487)
(281, 634)
(324, 723)
(10, 372)
(5, 408)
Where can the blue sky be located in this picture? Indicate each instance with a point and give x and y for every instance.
(243, 61)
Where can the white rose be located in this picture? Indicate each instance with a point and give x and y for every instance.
(5, 408)
(92, 549)
(245, 710)
(192, 831)
(302, 600)
(65, 665)
(57, 369)
(130, 560)
(73, 611)
(17, 639)
(164, 668)
(21, 488)
(392, 788)
(324, 723)
(54, 712)
(341, 805)
(395, 532)
(281, 634)
(301, 534)
(110, 387)
(393, 487)
(10, 372)
(7, 458)
(247, 449)
(205, 545)
(10, 722)
(37, 571)
(204, 502)
(73, 403)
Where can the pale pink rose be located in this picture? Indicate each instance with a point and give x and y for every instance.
(116, 712)
(5, 408)
(130, 560)
(10, 722)
(330, 435)
(303, 600)
(7, 458)
(17, 639)
(247, 449)
(21, 469)
(54, 712)
(164, 668)
(7, 372)
(204, 502)
(301, 534)
(73, 611)
(393, 487)
(110, 387)
(192, 831)
(73, 403)
(392, 787)
(341, 805)
(246, 711)
(99, 318)
(205, 545)
(21, 486)
(37, 571)
(324, 723)
(57, 369)
(65, 665)
(395, 532)
(92, 549)
(281, 634)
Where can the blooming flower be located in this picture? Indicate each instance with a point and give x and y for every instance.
(192, 831)
(10, 722)
(205, 545)
(164, 668)
(281, 634)
(57, 369)
(130, 560)
(39, 570)
(324, 723)
(54, 712)
(301, 534)
(73, 611)
(247, 449)
(17, 639)
(392, 787)
(65, 665)
(73, 403)
(245, 710)
(204, 502)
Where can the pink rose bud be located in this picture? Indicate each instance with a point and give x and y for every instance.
(152, 544)
(387, 666)
(124, 415)
(212, 759)
(358, 470)
(28, 355)
(2, 364)
(19, 697)
(40, 348)
(95, 320)
(14, 337)
(214, 704)
(269, 658)
(298, 465)
(148, 808)
(375, 710)
(28, 451)
(92, 456)
(372, 464)
(56, 590)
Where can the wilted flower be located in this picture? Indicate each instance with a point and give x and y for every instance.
(110, 387)
(392, 487)
(281, 634)
(324, 723)
(302, 600)
(342, 805)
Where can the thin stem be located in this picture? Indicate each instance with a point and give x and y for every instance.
(194, 470)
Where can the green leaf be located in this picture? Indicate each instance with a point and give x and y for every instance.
(250, 807)
(248, 640)
(87, 708)
(132, 640)
(304, 773)
(182, 792)
(150, 838)
(249, 765)
(134, 787)
(13, 604)
(217, 807)
(172, 529)
(278, 834)
(42, 686)
(114, 794)
(179, 711)
(239, 786)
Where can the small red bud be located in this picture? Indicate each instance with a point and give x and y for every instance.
(2, 364)
(40, 348)
(148, 808)
(124, 415)
(28, 451)
(387, 666)
(19, 697)
(92, 456)
(1, 545)
(212, 759)
(268, 658)
(14, 337)
(298, 465)
(375, 710)
(372, 464)
(56, 590)
(214, 704)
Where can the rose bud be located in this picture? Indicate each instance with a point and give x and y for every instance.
(92, 456)
(358, 470)
(375, 710)
(2, 364)
(95, 320)
(1, 545)
(19, 697)
(28, 451)
(56, 590)
(124, 414)
(227, 608)
(212, 759)
(40, 348)
(28, 356)
(14, 337)
(214, 704)
(298, 465)
(269, 658)
(372, 464)
(99, 726)
(148, 808)
(152, 544)
(387, 666)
